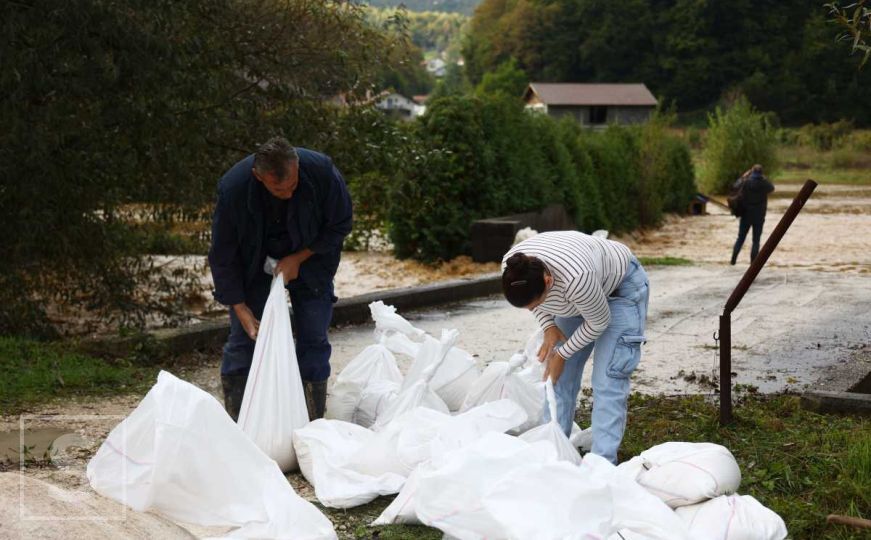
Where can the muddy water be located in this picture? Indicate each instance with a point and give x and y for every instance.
(40, 444)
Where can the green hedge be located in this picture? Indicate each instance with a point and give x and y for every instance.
(486, 157)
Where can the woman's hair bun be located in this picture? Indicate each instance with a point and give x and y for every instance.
(517, 261)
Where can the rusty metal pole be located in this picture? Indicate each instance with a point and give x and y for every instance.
(725, 369)
(741, 289)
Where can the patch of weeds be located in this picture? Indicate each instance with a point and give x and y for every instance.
(801, 464)
(32, 371)
(664, 261)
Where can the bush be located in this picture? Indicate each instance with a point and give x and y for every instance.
(861, 140)
(824, 136)
(487, 157)
(737, 138)
(615, 157)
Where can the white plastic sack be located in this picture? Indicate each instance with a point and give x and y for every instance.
(324, 448)
(420, 393)
(682, 473)
(420, 435)
(178, 453)
(732, 517)
(560, 500)
(452, 379)
(401, 344)
(375, 399)
(500, 380)
(386, 320)
(376, 364)
(450, 494)
(274, 403)
(552, 433)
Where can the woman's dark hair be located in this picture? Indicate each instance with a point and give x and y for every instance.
(523, 279)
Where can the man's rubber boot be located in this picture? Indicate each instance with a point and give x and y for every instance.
(234, 391)
(734, 258)
(315, 398)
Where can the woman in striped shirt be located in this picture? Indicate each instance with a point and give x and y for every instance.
(595, 292)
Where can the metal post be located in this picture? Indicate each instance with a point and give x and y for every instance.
(742, 287)
(725, 369)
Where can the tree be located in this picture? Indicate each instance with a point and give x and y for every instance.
(121, 114)
(855, 20)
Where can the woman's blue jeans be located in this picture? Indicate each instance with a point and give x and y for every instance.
(617, 353)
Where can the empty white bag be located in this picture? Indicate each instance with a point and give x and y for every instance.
(324, 448)
(552, 433)
(500, 380)
(376, 366)
(180, 454)
(683, 473)
(274, 404)
(387, 320)
(732, 517)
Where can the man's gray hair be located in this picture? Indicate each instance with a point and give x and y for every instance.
(275, 156)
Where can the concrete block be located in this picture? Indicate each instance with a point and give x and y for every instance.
(837, 402)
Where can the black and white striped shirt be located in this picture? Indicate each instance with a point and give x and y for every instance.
(585, 270)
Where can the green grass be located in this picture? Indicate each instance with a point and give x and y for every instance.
(852, 177)
(32, 372)
(802, 465)
(664, 261)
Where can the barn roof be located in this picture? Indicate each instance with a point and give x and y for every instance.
(591, 94)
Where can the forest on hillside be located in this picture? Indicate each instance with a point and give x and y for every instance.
(784, 56)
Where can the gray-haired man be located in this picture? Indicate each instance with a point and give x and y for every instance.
(290, 204)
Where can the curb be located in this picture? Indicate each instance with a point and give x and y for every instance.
(160, 343)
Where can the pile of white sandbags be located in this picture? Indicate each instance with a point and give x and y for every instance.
(179, 454)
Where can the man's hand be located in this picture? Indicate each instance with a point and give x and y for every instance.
(289, 266)
(248, 320)
(554, 366)
(552, 336)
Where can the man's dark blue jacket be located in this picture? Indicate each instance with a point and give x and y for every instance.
(238, 248)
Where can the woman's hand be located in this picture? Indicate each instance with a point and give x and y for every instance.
(552, 336)
(554, 366)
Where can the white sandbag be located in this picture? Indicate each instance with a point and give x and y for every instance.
(420, 393)
(682, 473)
(450, 494)
(386, 320)
(274, 404)
(375, 364)
(500, 380)
(552, 433)
(324, 448)
(732, 517)
(560, 500)
(452, 379)
(420, 435)
(401, 344)
(179, 453)
(375, 399)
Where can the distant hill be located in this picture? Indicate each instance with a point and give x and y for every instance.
(452, 6)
